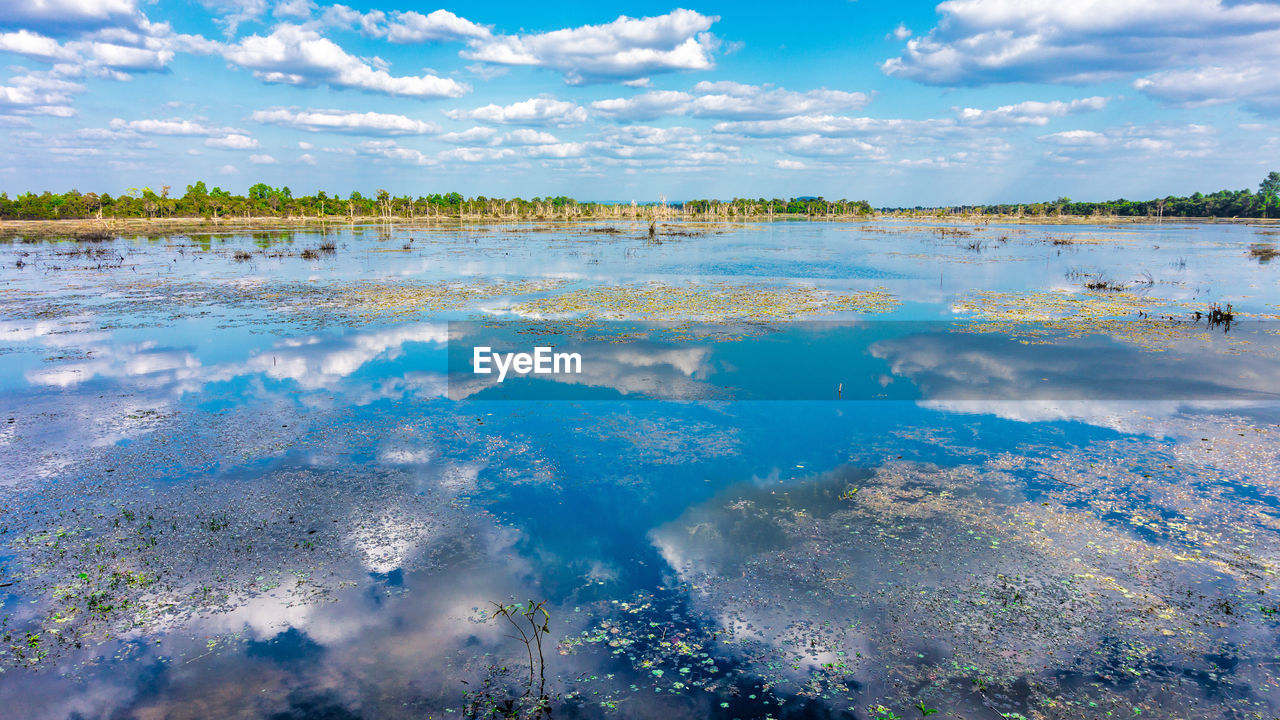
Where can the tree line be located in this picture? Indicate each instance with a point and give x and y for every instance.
(1265, 203)
(263, 200)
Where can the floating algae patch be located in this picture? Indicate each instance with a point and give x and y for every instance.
(1150, 323)
(920, 583)
(141, 302)
(385, 300)
(705, 301)
(664, 440)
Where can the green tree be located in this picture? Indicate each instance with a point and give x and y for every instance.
(1269, 191)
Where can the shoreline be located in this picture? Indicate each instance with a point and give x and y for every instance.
(94, 229)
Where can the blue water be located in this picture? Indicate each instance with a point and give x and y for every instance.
(269, 488)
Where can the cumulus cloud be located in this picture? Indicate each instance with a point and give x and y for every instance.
(262, 160)
(1256, 86)
(557, 150)
(475, 155)
(819, 146)
(342, 121)
(117, 52)
(171, 126)
(390, 150)
(67, 17)
(33, 45)
(534, 111)
(645, 106)
(295, 55)
(407, 27)
(729, 100)
(525, 136)
(635, 143)
(478, 135)
(38, 94)
(625, 49)
(834, 126)
(234, 141)
(298, 9)
(978, 42)
(1159, 140)
(1030, 112)
(234, 12)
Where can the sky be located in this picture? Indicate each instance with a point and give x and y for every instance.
(898, 103)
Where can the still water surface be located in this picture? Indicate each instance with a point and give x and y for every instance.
(819, 470)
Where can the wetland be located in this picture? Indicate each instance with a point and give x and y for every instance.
(877, 468)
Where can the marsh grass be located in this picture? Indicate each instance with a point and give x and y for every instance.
(1263, 252)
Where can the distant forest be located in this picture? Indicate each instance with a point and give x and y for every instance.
(262, 200)
(1222, 204)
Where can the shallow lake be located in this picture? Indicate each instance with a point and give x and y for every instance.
(808, 469)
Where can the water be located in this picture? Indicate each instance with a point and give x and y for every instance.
(811, 470)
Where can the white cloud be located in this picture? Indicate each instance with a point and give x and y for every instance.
(171, 126)
(645, 106)
(234, 12)
(525, 136)
(407, 27)
(129, 59)
(38, 94)
(834, 126)
(790, 165)
(534, 111)
(228, 170)
(642, 143)
(625, 49)
(304, 145)
(389, 150)
(557, 150)
(307, 158)
(294, 55)
(729, 101)
(1075, 138)
(34, 45)
(262, 160)
(978, 42)
(342, 121)
(1030, 112)
(1157, 140)
(819, 146)
(233, 142)
(474, 136)
(298, 9)
(475, 155)
(58, 17)
(1256, 86)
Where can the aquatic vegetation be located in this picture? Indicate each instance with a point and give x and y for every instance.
(705, 301)
(1148, 322)
(1263, 252)
(531, 623)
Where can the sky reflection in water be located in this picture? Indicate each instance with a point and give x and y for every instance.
(302, 523)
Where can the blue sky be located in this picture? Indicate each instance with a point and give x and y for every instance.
(898, 103)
